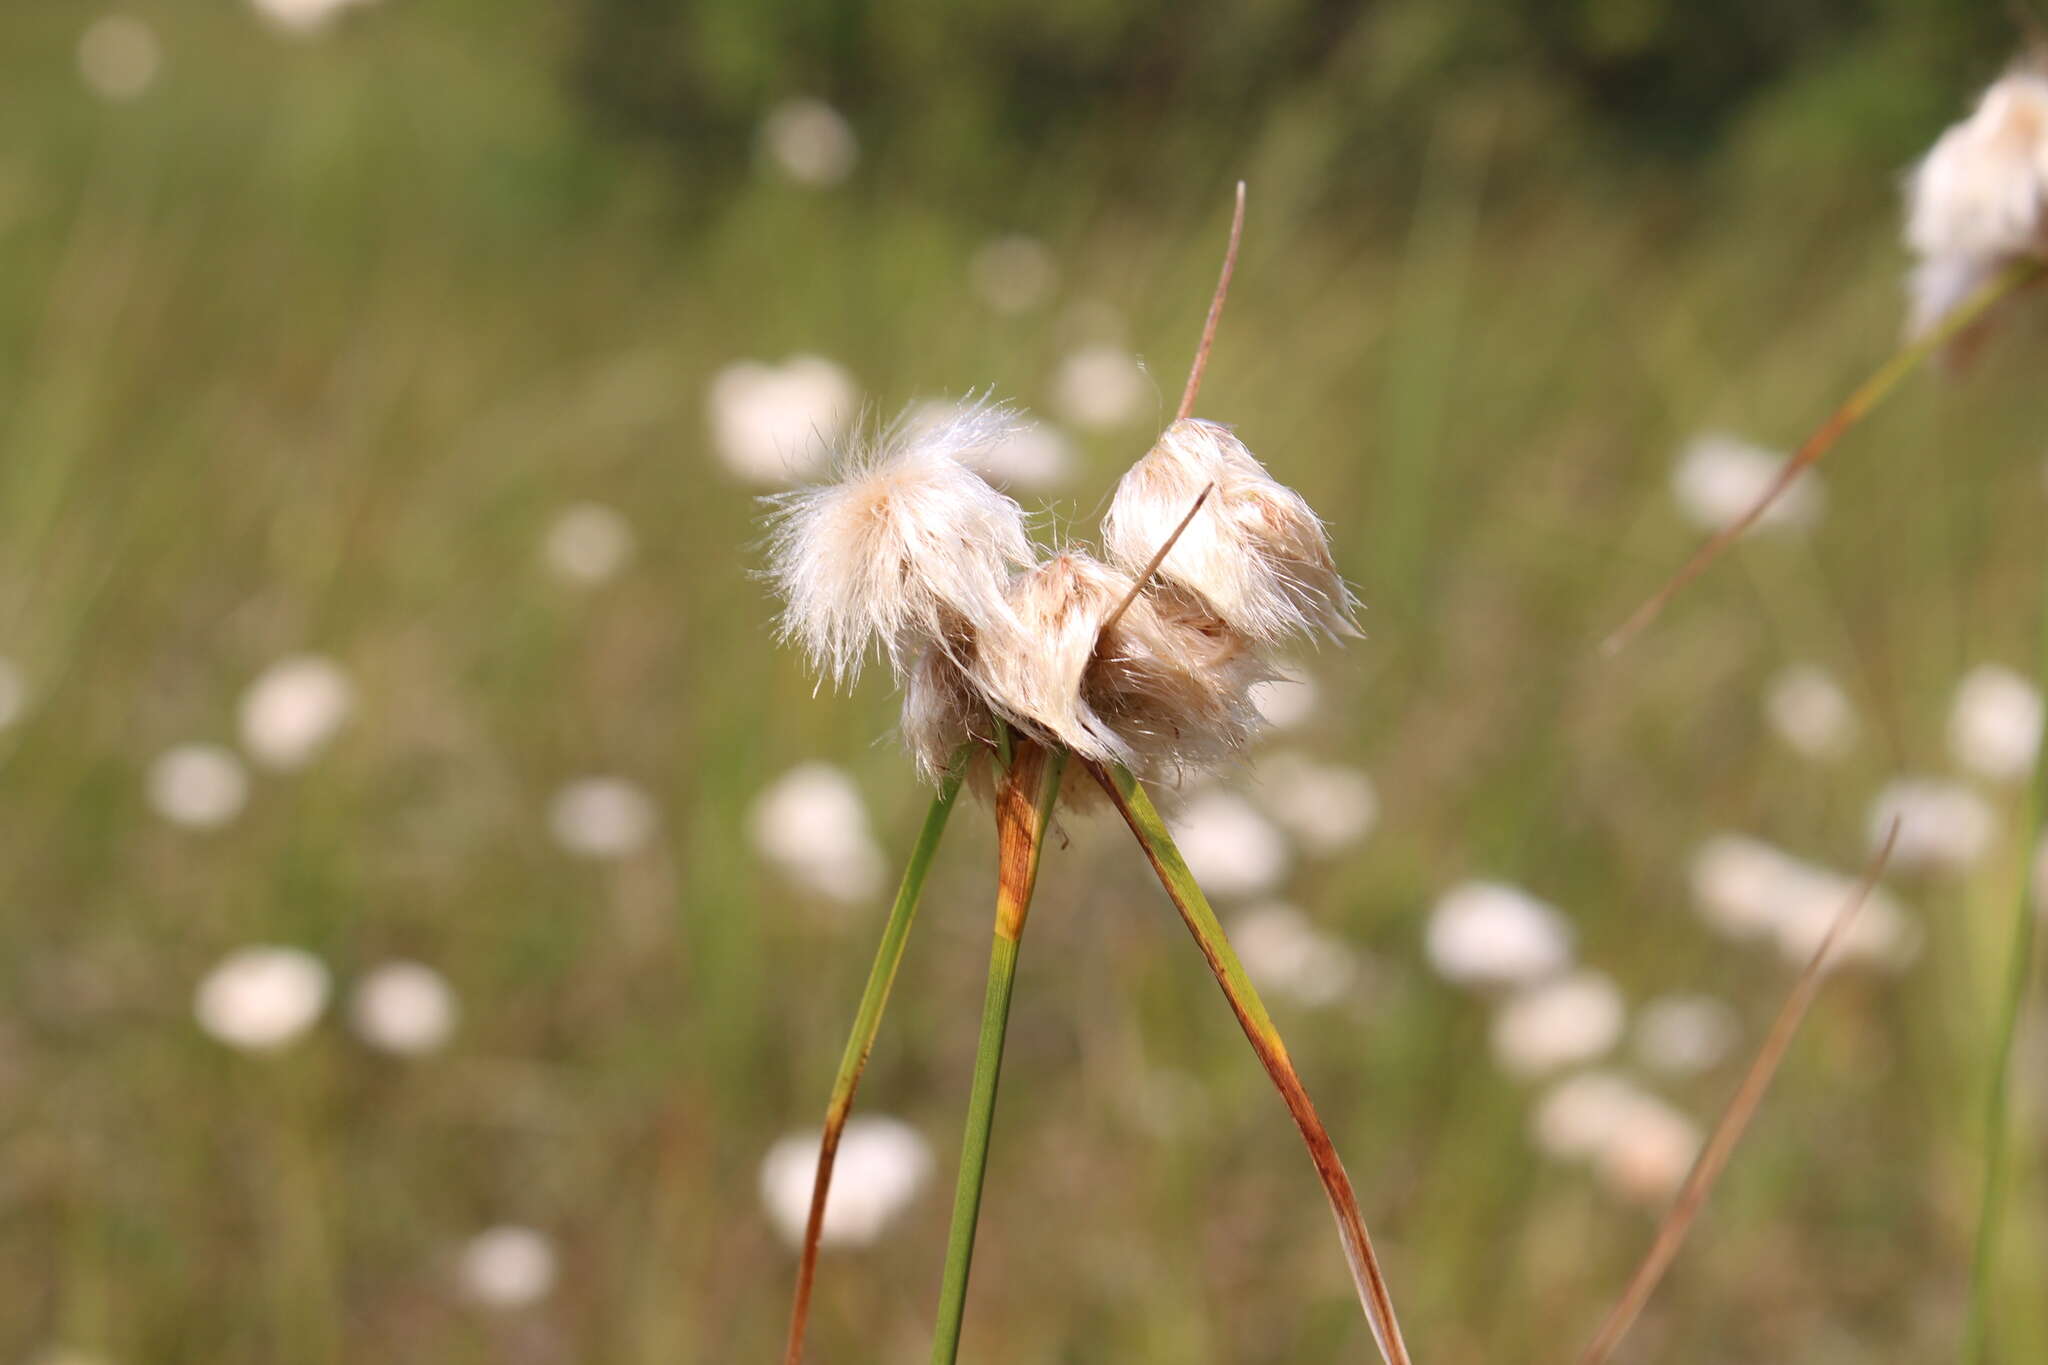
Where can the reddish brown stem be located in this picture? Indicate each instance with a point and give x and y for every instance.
(1713, 1158)
(1137, 811)
(1187, 396)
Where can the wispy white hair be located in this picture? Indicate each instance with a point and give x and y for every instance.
(1164, 687)
(906, 548)
(1256, 554)
(1034, 676)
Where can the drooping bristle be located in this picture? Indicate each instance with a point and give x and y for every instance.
(942, 710)
(1174, 682)
(1257, 556)
(1165, 688)
(907, 547)
(1034, 673)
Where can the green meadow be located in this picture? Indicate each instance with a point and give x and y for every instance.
(304, 348)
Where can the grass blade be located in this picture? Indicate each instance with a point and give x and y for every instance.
(1858, 406)
(867, 1020)
(1138, 812)
(1998, 1103)
(1713, 1158)
(1023, 810)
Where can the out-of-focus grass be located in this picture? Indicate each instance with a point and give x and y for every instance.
(304, 348)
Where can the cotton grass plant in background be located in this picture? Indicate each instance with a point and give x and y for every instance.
(1977, 225)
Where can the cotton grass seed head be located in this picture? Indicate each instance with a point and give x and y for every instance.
(1119, 660)
(1257, 556)
(907, 547)
(1982, 191)
(1978, 201)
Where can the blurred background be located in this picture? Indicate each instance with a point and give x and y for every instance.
(433, 905)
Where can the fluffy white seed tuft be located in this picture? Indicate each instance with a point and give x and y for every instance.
(1256, 555)
(1979, 199)
(909, 546)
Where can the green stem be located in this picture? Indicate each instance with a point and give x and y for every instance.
(1997, 1116)
(867, 1020)
(1022, 814)
(1139, 813)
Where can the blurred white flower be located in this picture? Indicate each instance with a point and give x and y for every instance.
(1028, 454)
(775, 424)
(507, 1267)
(1719, 477)
(882, 1164)
(1286, 954)
(1994, 725)
(201, 786)
(1882, 935)
(293, 709)
(118, 56)
(810, 142)
(601, 817)
(13, 693)
(1745, 889)
(302, 17)
(1740, 885)
(812, 825)
(1099, 387)
(261, 998)
(1231, 848)
(1681, 1035)
(588, 543)
(1285, 702)
(1013, 274)
(1639, 1146)
(1648, 1157)
(1942, 824)
(1575, 1117)
(1810, 712)
(1492, 934)
(1325, 806)
(1558, 1023)
(403, 1007)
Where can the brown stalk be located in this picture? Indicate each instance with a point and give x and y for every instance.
(1187, 396)
(1266, 1043)
(1713, 1158)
